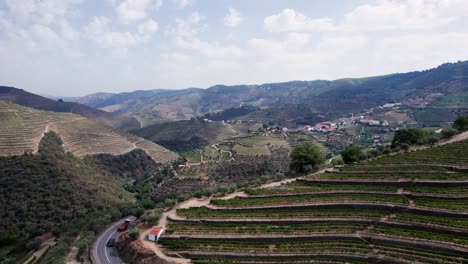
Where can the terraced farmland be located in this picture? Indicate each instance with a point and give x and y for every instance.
(370, 213)
(22, 128)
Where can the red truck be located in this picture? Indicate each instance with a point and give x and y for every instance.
(124, 225)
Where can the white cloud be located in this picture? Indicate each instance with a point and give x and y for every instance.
(186, 37)
(411, 51)
(40, 25)
(130, 11)
(183, 3)
(149, 27)
(233, 18)
(290, 20)
(380, 15)
(40, 12)
(389, 15)
(98, 30)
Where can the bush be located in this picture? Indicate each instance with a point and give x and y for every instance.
(151, 216)
(337, 161)
(405, 146)
(306, 158)
(448, 132)
(373, 153)
(8, 261)
(34, 243)
(133, 231)
(352, 154)
(461, 123)
(413, 136)
(148, 204)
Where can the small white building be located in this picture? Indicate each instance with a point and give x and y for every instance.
(155, 233)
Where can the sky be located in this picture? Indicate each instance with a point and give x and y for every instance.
(79, 47)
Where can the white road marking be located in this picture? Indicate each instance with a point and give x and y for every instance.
(98, 241)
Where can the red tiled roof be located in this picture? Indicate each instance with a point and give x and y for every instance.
(155, 230)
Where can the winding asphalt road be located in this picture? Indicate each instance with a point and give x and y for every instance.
(102, 254)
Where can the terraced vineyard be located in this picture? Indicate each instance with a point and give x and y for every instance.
(411, 211)
(22, 128)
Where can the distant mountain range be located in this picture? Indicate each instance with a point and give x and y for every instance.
(293, 102)
(21, 97)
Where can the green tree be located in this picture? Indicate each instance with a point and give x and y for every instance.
(306, 158)
(448, 132)
(148, 204)
(405, 146)
(133, 232)
(34, 243)
(352, 154)
(410, 136)
(461, 123)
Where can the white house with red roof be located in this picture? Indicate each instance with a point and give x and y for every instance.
(155, 233)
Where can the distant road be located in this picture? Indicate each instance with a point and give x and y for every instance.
(102, 254)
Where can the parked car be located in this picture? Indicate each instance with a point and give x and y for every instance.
(110, 242)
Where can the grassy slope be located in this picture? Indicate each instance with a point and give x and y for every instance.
(25, 126)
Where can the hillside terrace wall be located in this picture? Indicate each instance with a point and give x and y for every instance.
(369, 206)
(327, 237)
(412, 226)
(398, 183)
(253, 256)
(410, 195)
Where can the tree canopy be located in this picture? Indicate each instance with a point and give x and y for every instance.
(352, 154)
(461, 123)
(306, 158)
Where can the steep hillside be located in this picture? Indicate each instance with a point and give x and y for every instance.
(186, 135)
(74, 198)
(24, 98)
(44, 192)
(22, 128)
(443, 87)
(396, 209)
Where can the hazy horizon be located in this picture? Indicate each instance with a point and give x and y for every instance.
(203, 88)
(76, 48)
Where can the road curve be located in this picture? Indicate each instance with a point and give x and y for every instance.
(102, 254)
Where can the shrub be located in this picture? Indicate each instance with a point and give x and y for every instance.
(404, 146)
(412, 136)
(306, 158)
(461, 123)
(133, 232)
(34, 243)
(448, 132)
(337, 161)
(351, 154)
(151, 216)
(148, 204)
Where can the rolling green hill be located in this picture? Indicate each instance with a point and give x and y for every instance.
(21, 97)
(301, 101)
(22, 128)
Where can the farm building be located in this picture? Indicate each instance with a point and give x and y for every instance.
(155, 233)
